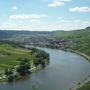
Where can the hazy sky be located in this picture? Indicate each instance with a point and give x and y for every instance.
(44, 14)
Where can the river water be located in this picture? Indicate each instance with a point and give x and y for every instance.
(64, 71)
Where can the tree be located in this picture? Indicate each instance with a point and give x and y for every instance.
(43, 63)
(10, 78)
(8, 71)
(40, 58)
(23, 69)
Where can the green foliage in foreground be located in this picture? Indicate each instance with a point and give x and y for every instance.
(85, 87)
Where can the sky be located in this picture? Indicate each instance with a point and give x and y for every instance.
(44, 15)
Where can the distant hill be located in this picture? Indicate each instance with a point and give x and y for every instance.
(11, 33)
(88, 27)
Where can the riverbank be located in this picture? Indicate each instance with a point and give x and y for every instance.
(81, 54)
(33, 69)
(79, 85)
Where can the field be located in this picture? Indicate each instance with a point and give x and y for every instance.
(9, 55)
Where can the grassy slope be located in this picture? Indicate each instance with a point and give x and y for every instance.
(9, 55)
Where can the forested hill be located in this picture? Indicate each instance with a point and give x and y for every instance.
(73, 33)
(11, 33)
(57, 33)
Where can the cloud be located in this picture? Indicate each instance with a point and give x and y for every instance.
(66, 0)
(14, 8)
(35, 21)
(59, 18)
(26, 16)
(66, 24)
(43, 26)
(56, 3)
(80, 9)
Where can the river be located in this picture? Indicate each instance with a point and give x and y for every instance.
(65, 70)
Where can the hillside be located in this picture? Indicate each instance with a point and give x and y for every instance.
(5, 34)
(81, 37)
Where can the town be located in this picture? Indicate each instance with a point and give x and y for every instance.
(62, 43)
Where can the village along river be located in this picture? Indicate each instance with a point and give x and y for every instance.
(64, 71)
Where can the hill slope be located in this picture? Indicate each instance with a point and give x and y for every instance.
(82, 37)
(4, 34)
